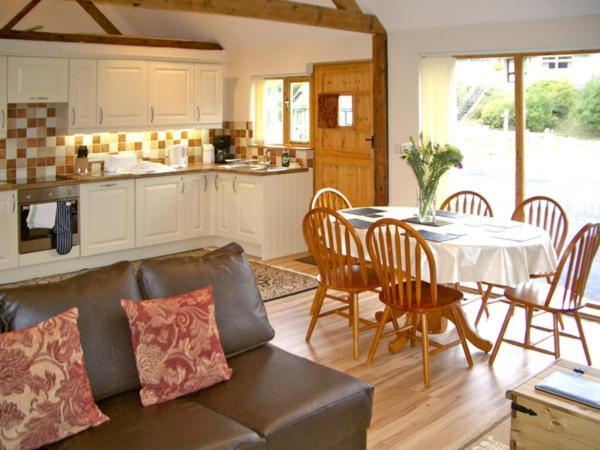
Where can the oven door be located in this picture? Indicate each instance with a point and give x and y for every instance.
(39, 239)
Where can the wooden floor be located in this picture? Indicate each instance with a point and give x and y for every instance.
(460, 403)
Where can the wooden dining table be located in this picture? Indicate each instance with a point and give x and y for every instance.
(469, 249)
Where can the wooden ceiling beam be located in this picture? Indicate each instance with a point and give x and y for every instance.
(275, 10)
(22, 13)
(99, 17)
(108, 39)
(347, 5)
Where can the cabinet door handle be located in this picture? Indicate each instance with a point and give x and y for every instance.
(217, 182)
(107, 185)
(101, 115)
(38, 98)
(73, 119)
(152, 114)
(182, 186)
(197, 114)
(205, 183)
(3, 119)
(234, 185)
(14, 203)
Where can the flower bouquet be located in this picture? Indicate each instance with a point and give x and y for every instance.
(429, 162)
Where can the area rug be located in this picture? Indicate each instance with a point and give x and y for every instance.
(496, 437)
(273, 282)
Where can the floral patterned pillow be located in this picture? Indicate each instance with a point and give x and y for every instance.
(45, 392)
(176, 345)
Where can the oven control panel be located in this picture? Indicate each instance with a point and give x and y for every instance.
(42, 195)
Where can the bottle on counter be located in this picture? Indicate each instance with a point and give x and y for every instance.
(81, 162)
(285, 159)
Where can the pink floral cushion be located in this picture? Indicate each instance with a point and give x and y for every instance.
(176, 345)
(45, 392)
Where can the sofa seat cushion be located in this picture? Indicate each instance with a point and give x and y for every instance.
(241, 315)
(179, 424)
(291, 401)
(105, 335)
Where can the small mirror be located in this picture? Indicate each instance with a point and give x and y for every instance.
(345, 111)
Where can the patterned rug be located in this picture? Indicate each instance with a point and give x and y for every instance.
(496, 437)
(273, 282)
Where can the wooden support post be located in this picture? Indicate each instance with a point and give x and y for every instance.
(347, 5)
(519, 132)
(98, 17)
(22, 13)
(380, 118)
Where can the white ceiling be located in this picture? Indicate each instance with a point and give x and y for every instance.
(231, 32)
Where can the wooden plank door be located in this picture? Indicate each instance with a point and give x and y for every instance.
(343, 143)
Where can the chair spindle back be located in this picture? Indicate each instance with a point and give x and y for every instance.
(330, 198)
(468, 202)
(545, 213)
(331, 239)
(577, 261)
(397, 252)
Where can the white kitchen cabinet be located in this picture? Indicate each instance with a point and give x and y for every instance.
(122, 93)
(9, 257)
(3, 97)
(82, 93)
(38, 80)
(171, 93)
(238, 207)
(209, 94)
(107, 216)
(160, 210)
(200, 190)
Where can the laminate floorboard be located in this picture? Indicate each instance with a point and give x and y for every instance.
(460, 403)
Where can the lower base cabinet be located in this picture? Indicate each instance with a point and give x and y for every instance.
(9, 257)
(107, 217)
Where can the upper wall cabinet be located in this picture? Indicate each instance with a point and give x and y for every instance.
(38, 80)
(82, 93)
(209, 94)
(122, 93)
(171, 93)
(3, 97)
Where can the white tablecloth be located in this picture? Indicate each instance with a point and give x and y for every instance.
(485, 252)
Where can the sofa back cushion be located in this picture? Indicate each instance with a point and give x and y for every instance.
(105, 335)
(241, 315)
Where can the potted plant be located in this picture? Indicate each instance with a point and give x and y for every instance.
(429, 162)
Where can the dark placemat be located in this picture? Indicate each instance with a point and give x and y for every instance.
(437, 223)
(362, 224)
(437, 237)
(367, 212)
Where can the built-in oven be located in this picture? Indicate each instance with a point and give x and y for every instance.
(33, 239)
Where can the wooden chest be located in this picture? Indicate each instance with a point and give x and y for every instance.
(546, 421)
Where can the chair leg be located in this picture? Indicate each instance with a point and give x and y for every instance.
(582, 337)
(509, 314)
(560, 321)
(315, 310)
(556, 336)
(382, 321)
(528, 320)
(354, 300)
(484, 302)
(413, 319)
(425, 344)
(461, 334)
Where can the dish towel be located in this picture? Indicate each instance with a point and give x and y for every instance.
(42, 215)
(62, 228)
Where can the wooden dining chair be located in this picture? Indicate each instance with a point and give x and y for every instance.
(559, 300)
(331, 239)
(468, 202)
(542, 212)
(401, 257)
(330, 198)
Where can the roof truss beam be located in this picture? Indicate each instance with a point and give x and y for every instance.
(22, 13)
(276, 10)
(347, 5)
(98, 17)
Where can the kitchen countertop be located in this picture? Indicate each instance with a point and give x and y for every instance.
(192, 168)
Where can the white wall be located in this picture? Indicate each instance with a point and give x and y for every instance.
(283, 59)
(406, 48)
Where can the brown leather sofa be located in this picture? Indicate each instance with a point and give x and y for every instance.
(275, 400)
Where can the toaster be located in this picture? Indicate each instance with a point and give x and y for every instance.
(178, 156)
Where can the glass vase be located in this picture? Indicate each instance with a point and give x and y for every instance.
(426, 205)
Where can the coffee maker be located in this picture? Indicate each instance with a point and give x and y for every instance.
(222, 145)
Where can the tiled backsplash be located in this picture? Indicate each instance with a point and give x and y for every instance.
(37, 147)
